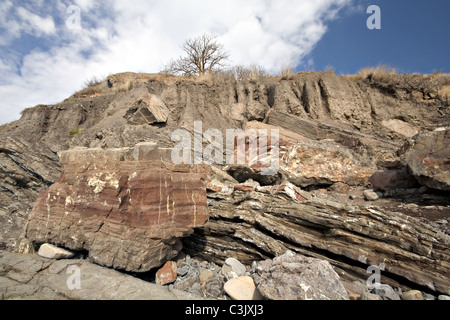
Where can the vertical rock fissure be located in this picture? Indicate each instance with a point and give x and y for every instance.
(305, 99)
(325, 95)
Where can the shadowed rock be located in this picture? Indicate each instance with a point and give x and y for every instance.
(428, 158)
(148, 109)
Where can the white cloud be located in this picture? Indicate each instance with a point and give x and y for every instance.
(11, 27)
(117, 36)
(85, 5)
(34, 24)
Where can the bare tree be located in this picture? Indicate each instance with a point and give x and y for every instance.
(204, 54)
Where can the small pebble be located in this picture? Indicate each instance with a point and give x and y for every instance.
(206, 275)
(370, 195)
(412, 295)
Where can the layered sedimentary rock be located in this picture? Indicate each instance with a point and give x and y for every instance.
(123, 206)
(260, 224)
(26, 169)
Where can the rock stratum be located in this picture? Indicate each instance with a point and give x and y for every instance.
(94, 174)
(255, 225)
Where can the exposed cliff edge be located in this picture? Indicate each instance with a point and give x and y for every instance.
(339, 135)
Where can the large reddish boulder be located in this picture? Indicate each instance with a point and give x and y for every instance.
(127, 211)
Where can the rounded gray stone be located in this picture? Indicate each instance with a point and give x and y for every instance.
(236, 266)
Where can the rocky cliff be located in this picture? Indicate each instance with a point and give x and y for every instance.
(339, 135)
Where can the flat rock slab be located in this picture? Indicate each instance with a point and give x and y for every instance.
(148, 109)
(30, 277)
(400, 127)
(53, 252)
(242, 288)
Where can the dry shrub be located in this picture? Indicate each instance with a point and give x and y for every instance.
(121, 82)
(329, 68)
(257, 72)
(204, 78)
(91, 87)
(252, 72)
(237, 72)
(225, 75)
(432, 87)
(287, 72)
(379, 73)
(93, 81)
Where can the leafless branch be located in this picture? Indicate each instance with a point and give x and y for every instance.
(203, 55)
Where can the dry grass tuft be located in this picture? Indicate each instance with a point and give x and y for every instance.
(121, 82)
(252, 72)
(381, 72)
(287, 72)
(91, 87)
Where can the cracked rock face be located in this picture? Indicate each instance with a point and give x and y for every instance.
(128, 214)
(427, 156)
(322, 162)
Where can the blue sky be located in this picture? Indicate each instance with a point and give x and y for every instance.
(414, 37)
(49, 48)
